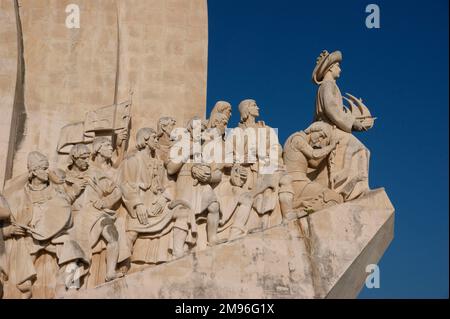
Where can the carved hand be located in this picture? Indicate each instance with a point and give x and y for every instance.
(141, 213)
(99, 204)
(121, 137)
(202, 173)
(157, 209)
(14, 230)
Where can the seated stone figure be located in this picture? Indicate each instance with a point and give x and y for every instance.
(40, 219)
(153, 224)
(235, 203)
(97, 197)
(307, 148)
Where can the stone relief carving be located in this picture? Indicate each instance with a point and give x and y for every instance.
(111, 211)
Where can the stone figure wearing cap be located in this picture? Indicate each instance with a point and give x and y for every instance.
(350, 166)
(40, 219)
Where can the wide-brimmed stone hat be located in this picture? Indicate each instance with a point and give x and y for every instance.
(324, 61)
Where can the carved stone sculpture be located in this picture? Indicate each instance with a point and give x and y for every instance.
(153, 227)
(40, 219)
(166, 125)
(350, 167)
(94, 205)
(312, 148)
(194, 182)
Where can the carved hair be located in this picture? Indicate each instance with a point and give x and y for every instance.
(142, 136)
(76, 151)
(164, 121)
(36, 160)
(98, 143)
(243, 109)
(319, 126)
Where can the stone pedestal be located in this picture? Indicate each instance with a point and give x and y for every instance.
(323, 255)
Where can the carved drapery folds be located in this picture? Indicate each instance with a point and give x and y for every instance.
(111, 209)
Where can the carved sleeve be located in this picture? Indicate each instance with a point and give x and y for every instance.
(4, 208)
(129, 184)
(333, 108)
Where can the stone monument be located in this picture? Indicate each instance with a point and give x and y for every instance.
(116, 185)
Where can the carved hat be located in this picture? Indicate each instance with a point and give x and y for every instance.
(323, 63)
(36, 160)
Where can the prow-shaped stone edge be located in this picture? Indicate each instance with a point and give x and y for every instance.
(323, 255)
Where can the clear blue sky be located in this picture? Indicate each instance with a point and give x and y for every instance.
(266, 50)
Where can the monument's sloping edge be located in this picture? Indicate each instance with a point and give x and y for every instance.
(322, 255)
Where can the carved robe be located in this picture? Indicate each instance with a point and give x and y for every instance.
(90, 221)
(46, 214)
(350, 153)
(142, 181)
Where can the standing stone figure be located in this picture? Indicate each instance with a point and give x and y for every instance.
(40, 219)
(310, 148)
(165, 126)
(94, 207)
(153, 222)
(266, 184)
(194, 184)
(349, 172)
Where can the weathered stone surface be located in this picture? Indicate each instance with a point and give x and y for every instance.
(322, 255)
(156, 49)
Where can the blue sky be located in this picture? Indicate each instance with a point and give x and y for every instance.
(266, 50)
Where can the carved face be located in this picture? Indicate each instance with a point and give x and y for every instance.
(82, 162)
(318, 139)
(106, 150)
(253, 109)
(41, 173)
(152, 141)
(168, 127)
(335, 70)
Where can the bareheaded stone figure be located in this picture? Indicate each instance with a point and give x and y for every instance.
(155, 225)
(166, 125)
(95, 204)
(350, 169)
(40, 220)
(310, 148)
(264, 169)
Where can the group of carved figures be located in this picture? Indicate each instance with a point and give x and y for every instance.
(111, 211)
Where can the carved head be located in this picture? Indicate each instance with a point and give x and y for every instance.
(326, 64)
(166, 125)
(238, 175)
(320, 134)
(220, 122)
(146, 137)
(248, 108)
(223, 108)
(37, 166)
(335, 70)
(102, 146)
(79, 157)
(196, 123)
